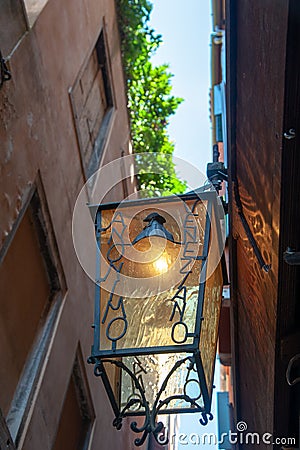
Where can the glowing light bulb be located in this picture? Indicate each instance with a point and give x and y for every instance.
(161, 265)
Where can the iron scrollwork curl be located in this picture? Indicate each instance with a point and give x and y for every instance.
(205, 418)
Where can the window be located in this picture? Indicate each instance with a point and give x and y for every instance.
(220, 112)
(29, 303)
(77, 416)
(92, 104)
(219, 128)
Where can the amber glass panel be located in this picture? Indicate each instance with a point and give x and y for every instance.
(25, 292)
(210, 324)
(212, 304)
(149, 297)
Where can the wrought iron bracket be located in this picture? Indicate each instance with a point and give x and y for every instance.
(216, 173)
(266, 267)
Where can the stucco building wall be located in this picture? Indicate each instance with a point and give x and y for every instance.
(40, 151)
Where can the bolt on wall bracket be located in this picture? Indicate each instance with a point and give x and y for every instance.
(291, 257)
(5, 74)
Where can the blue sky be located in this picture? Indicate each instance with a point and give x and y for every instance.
(186, 27)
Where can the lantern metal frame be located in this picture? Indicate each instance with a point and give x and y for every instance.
(113, 356)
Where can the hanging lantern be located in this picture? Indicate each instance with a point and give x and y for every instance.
(157, 305)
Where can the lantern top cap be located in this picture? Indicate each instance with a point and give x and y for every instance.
(154, 227)
(203, 194)
(155, 216)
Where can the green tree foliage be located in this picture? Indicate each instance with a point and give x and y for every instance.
(150, 100)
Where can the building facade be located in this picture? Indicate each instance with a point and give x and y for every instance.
(62, 116)
(263, 74)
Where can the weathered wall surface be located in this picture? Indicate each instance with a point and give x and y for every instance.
(39, 145)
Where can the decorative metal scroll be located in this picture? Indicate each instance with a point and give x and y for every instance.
(150, 425)
(138, 371)
(115, 264)
(190, 255)
(189, 239)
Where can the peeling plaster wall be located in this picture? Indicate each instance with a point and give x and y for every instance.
(38, 142)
